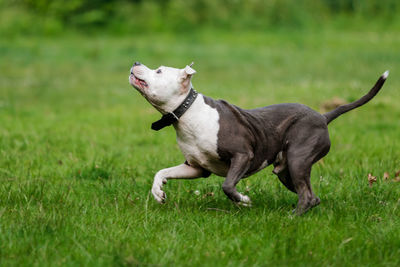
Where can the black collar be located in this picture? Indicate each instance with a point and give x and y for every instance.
(170, 118)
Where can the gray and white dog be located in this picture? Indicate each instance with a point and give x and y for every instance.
(220, 138)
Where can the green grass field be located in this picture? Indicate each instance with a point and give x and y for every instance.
(77, 156)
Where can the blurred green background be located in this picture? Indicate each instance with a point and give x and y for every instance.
(51, 17)
(77, 156)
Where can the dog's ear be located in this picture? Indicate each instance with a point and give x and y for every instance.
(189, 70)
(186, 77)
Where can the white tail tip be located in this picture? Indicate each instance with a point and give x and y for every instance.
(385, 74)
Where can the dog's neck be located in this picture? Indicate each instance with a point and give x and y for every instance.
(173, 116)
(172, 104)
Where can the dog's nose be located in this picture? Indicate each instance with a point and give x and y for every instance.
(132, 70)
(136, 63)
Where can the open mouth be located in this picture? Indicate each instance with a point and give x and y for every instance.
(138, 81)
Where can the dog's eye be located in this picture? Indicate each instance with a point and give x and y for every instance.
(159, 71)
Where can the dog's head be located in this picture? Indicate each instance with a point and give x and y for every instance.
(165, 87)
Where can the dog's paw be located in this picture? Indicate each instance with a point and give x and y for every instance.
(244, 201)
(305, 207)
(158, 194)
(157, 191)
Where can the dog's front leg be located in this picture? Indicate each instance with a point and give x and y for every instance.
(182, 171)
(240, 164)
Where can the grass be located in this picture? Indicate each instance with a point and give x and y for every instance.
(77, 156)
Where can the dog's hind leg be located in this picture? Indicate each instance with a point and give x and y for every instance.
(301, 157)
(183, 171)
(300, 173)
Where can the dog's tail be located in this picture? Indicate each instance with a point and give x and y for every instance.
(330, 116)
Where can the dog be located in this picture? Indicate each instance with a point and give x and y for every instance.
(226, 140)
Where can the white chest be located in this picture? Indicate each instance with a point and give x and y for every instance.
(197, 136)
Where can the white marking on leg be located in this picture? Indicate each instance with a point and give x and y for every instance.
(182, 171)
(244, 200)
